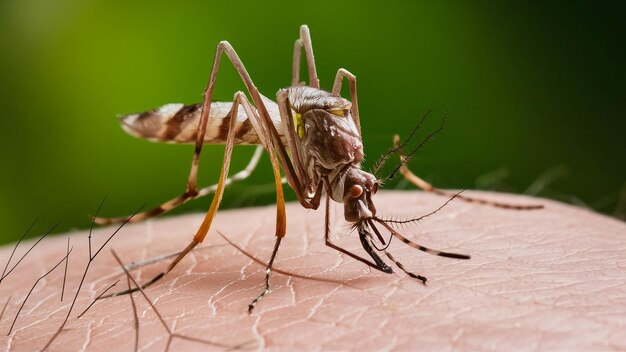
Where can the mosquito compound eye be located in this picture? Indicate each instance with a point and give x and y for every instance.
(356, 191)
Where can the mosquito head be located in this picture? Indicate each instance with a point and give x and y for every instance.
(358, 188)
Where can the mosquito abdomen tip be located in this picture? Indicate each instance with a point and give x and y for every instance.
(128, 124)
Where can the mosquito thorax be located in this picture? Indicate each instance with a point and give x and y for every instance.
(331, 142)
(305, 98)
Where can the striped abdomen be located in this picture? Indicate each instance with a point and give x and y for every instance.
(178, 123)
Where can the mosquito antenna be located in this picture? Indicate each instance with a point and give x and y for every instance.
(383, 158)
(409, 221)
(406, 158)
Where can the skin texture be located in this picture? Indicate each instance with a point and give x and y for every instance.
(550, 279)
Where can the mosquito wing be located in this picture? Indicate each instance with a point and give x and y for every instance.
(178, 123)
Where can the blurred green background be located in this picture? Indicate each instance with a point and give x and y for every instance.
(535, 93)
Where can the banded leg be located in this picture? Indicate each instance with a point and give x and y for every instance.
(186, 197)
(304, 42)
(341, 74)
(401, 266)
(366, 240)
(263, 125)
(206, 223)
(191, 190)
(286, 117)
(425, 186)
(281, 216)
(419, 246)
(379, 263)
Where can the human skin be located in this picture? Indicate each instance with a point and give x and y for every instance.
(550, 279)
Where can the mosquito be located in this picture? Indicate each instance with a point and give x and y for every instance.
(313, 135)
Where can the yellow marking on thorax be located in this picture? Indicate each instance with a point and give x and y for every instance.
(297, 121)
(338, 112)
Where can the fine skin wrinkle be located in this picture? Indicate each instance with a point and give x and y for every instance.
(543, 280)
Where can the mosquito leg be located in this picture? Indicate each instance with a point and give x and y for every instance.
(401, 266)
(263, 125)
(419, 246)
(341, 73)
(204, 228)
(366, 239)
(378, 265)
(265, 122)
(304, 42)
(414, 179)
(239, 99)
(295, 66)
(281, 215)
(186, 197)
(268, 270)
(286, 117)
